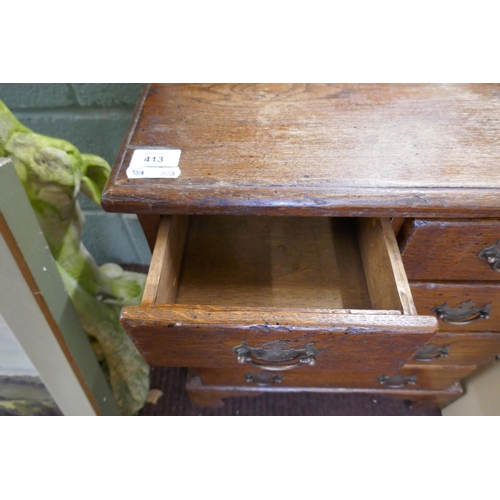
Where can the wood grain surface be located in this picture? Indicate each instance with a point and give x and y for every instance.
(447, 249)
(279, 261)
(212, 395)
(163, 277)
(385, 274)
(430, 295)
(324, 149)
(467, 348)
(426, 377)
(273, 261)
(183, 335)
(424, 151)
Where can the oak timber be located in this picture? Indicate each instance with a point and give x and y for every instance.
(188, 335)
(385, 274)
(447, 249)
(163, 277)
(317, 149)
(273, 261)
(425, 377)
(464, 348)
(205, 394)
(429, 295)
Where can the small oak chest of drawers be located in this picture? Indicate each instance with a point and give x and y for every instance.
(328, 238)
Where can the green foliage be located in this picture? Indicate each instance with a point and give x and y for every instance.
(22, 408)
(53, 173)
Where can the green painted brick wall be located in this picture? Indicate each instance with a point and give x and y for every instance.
(94, 117)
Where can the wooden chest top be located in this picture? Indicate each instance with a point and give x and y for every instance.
(316, 149)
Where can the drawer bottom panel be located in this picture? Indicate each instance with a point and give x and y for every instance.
(409, 377)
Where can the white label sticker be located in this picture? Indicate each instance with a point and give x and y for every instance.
(153, 172)
(154, 164)
(156, 158)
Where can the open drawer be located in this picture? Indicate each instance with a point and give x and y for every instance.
(278, 293)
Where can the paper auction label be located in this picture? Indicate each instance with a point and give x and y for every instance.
(153, 172)
(154, 163)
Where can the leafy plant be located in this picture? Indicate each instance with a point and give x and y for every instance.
(53, 173)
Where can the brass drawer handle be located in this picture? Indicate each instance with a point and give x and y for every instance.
(397, 381)
(264, 378)
(276, 356)
(492, 256)
(464, 313)
(431, 352)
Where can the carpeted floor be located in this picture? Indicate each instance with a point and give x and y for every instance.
(174, 401)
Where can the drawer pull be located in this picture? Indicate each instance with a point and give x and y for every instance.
(397, 381)
(276, 356)
(492, 256)
(431, 352)
(464, 313)
(264, 378)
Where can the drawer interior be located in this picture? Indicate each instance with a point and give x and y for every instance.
(221, 287)
(273, 261)
(286, 262)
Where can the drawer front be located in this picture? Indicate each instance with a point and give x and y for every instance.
(459, 309)
(206, 336)
(459, 349)
(410, 377)
(279, 294)
(446, 249)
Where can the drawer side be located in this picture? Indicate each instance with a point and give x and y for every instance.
(384, 270)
